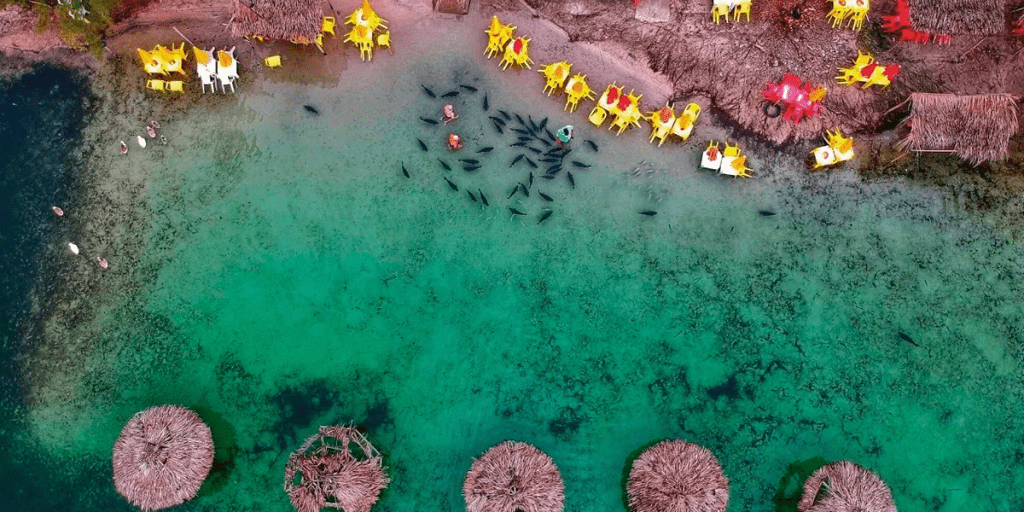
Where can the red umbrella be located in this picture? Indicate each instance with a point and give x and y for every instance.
(677, 476)
(845, 487)
(162, 457)
(514, 477)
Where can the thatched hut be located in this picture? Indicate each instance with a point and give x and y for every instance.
(162, 457)
(678, 476)
(845, 487)
(288, 20)
(977, 128)
(514, 477)
(324, 472)
(452, 6)
(979, 17)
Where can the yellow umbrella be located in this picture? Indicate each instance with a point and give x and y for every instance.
(201, 56)
(225, 58)
(367, 10)
(144, 55)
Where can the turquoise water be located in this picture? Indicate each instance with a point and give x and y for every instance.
(277, 272)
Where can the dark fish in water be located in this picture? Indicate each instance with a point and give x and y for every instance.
(907, 339)
(649, 213)
(498, 127)
(516, 159)
(544, 196)
(766, 213)
(428, 120)
(469, 160)
(518, 144)
(526, 191)
(531, 162)
(535, 150)
(429, 92)
(471, 168)
(514, 190)
(422, 145)
(487, 106)
(553, 152)
(469, 88)
(471, 196)
(445, 165)
(548, 176)
(592, 145)
(544, 216)
(579, 164)
(533, 125)
(521, 132)
(548, 160)
(311, 109)
(572, 181)
(497, 120)
(531, 179)
(554, 169)
(452, 185)
(505, 115)
(450, 94)
(550, 135)
(487, 149)
(545, 141)
(515, 212)
(483, 198)
(405, 172)
(565, 152)
(524, 138)
(520, 119)
(543, 124)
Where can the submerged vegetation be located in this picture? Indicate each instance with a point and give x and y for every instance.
(83, 23)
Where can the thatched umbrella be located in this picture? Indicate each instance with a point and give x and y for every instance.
(162, 457)
(977, 127)
(278, 19)
(845, 487)
(977, 17)
(324, 472)
(514, 477)
(677, 476)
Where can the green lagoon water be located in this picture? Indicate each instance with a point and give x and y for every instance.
(289, 276)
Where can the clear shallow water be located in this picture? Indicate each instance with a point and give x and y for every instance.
(291, 277)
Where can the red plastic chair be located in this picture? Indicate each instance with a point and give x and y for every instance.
(908, 34)
(923, 37)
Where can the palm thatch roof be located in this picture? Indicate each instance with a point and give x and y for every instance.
(278, 19)
(982, 17)
(514, 477)
(678, 476)
(845, 487)
(326, 473)
(977, 128)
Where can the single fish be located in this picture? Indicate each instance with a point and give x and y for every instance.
(531, 161)
(543, 124)
(554, 169)
(515, 160)
(450, 94)
(572, 181)
(766, 213)
(497, 120)
(487, 106)
(422, 145)
(522, 132)
(429, 92)
(526, 191)
(428, 120)
(520, 119)
(548, 176)
(592, 145)
(907, 339)
(545, 141)
(548, 160)
(469, 160)
(487, 149)
(524, 138)
(405, 172)
(469, 88)
(566, 152)
(544, 216)
(505, 115)
(518, 144)
(483, 198)
(445, 165)
(579, 164)
(515, 212)
(649, 213)
(535, 150)
(311, 109)
(471, 196)
(550, 135)
(498, 127)
(533, 125)
(531, 179)
(514, 191)
(471, 168)
(452, 185)
(544, 196)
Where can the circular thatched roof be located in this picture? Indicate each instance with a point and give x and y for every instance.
(845, 487)
(677, 476)
(324, 472)
(514, 477)
(162, 457)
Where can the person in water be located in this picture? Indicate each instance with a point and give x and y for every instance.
(454, 142)
(564, 135)
(449, 114)
(124, 148)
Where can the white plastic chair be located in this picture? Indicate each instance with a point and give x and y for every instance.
(228, 74)
(207, 71)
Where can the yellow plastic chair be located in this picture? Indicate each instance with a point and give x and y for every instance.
(597, 116)
(848, 76)
(498, 36)
(823, 156)
(720, 9)
(175, 86)
(742, 7)
(384, 41)
(731, 150)
(274, 61)
(740, 167)
(328, 24)
(155, 85)
(366, 51)
(151, 62)
(840, 10)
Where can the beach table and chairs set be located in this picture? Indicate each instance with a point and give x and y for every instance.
(721, 8)
(368, 30)
(850, 12)
(730, 161)
(164, 61)
(865, 70)
(501, 39)
(223, 70)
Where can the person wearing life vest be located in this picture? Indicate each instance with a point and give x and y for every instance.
(454, 142)
(564, 135)
(449, 114)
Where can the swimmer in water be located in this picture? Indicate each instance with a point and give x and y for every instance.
(124, 148)
(454, 142)
(57, 211)
(102, 262)
(151, 132)
(449, 114)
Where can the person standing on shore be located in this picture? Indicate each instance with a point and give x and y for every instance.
(564, 135)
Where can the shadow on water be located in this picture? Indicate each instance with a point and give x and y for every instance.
(791, 485)
(42, 114)
(225, 446)
(630, 459)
